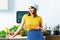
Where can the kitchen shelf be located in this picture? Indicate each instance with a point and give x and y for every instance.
(3, 4)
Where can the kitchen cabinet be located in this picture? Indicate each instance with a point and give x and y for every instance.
(18, 37)
(3, 4)
(56, 37)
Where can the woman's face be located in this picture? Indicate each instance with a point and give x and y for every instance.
(31, 10)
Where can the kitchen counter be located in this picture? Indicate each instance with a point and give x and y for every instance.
(53, 37)
(18, 37)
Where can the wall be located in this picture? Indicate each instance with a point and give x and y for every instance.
(8, 17)
(49, 10)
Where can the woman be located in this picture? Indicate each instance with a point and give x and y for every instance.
(32, 23)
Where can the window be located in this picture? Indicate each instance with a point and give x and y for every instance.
(3, 4)
(19, 15)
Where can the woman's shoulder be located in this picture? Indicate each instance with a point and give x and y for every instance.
(25, 15)
(39, 16)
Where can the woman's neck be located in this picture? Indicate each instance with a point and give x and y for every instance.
(33, 15)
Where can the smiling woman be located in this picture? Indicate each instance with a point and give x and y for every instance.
(32, 23)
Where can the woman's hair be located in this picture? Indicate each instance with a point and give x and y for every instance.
(33, 13)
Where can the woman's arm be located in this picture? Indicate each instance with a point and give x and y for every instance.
(19, 28)
(40, 26)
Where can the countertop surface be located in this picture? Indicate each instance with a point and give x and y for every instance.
(23, 37)
(17, 37)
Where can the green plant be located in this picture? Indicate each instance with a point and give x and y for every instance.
(14, 28)
(2, 33)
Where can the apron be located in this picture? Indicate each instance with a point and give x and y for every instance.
(35, 35)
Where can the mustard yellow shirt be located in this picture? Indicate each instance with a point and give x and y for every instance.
(31, 22)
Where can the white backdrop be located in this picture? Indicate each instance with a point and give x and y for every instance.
(49, 10)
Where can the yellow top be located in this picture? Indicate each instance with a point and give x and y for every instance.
(31, 22)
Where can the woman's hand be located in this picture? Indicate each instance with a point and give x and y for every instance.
(38, 28)
(11, 37)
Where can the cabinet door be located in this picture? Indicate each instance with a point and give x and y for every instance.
(3, 4)
(57, 37)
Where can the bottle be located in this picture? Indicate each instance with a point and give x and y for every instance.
(45, 27)
(6, 30)
(49, 28)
